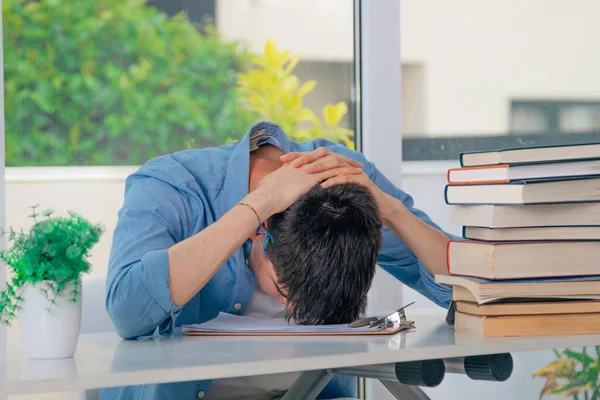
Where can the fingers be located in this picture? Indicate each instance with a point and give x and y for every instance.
(352, 162)
(298, 159)
(339, 179)
(334, 172)
(302, 158)
(325, 163)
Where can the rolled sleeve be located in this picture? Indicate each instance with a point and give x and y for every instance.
(156, 215)
(155, 277)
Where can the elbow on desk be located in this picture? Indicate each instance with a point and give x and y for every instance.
(130, 317)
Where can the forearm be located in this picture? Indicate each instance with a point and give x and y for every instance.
(428, 243)
(194, 261)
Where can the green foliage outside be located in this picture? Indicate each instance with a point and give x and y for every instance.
(106, 82)
(54, 250)
(276, 94)
(117, 82)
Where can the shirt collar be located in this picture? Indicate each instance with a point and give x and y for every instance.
(235, 184)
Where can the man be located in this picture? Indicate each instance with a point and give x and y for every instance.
(265, 226)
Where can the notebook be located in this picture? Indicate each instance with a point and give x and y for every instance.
(234, 325)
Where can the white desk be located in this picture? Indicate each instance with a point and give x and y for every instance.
(105, 360)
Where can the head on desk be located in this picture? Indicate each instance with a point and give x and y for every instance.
(323, 257)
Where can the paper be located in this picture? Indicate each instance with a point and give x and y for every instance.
(233, 323)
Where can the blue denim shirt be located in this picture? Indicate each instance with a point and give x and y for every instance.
(173, 197)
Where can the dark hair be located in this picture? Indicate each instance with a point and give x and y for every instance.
(325, 251)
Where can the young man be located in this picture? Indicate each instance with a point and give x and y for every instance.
(265, 226)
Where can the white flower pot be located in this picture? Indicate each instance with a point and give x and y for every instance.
(49, 333)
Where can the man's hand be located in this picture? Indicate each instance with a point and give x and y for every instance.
(281, 188)
(322, 158)
(319, 160)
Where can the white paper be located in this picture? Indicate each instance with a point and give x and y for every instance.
(235, 323)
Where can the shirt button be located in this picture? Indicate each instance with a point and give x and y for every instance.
(201, 394)
(237, 306)
(247, 261)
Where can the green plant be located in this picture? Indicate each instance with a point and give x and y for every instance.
(109, 82)
(55, 251)
(571, 374)
(275, 94)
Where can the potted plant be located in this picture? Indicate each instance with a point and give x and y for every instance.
(45, 287)
(572, 374)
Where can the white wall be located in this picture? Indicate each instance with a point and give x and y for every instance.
(315, 29)
(479, 54)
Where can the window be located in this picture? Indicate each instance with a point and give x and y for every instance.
(555, 116)
(117, 83)
(497, 74)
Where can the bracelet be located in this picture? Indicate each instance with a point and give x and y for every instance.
(253, 210)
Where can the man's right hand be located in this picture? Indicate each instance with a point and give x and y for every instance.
(281, 188)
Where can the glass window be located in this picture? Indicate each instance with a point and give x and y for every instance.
(503, 73)
(119, 82)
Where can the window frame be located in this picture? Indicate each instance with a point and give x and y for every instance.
(378, 133)
(3, 336)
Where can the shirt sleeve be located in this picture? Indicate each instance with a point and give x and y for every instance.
(155, 215)
(397, 258)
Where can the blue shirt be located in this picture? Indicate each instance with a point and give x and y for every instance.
(173, 197)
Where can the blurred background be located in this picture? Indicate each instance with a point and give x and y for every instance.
(94, 89)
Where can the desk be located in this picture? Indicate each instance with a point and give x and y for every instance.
(105, 360)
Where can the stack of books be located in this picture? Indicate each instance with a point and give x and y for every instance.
(530, 264)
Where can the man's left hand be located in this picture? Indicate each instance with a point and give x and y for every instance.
(322, 159)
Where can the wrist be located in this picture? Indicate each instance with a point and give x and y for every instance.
(262, 204)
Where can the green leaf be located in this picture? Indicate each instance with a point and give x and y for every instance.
(581, 357)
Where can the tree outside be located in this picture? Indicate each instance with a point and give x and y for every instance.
(109, 82)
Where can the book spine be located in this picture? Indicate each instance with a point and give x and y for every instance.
(464, 232)
(476, 182)
(446, 194)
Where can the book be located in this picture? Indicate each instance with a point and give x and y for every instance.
(556, 233)
(504, 173)
(531, 155)
(484, 290)
(531, 307)
(460, 293)
(522, 193)
(528, 325)
(493, 216)
(515, 260)
(235, 325)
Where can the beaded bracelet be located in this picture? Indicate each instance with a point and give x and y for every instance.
(254, 211)
(260, 230)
